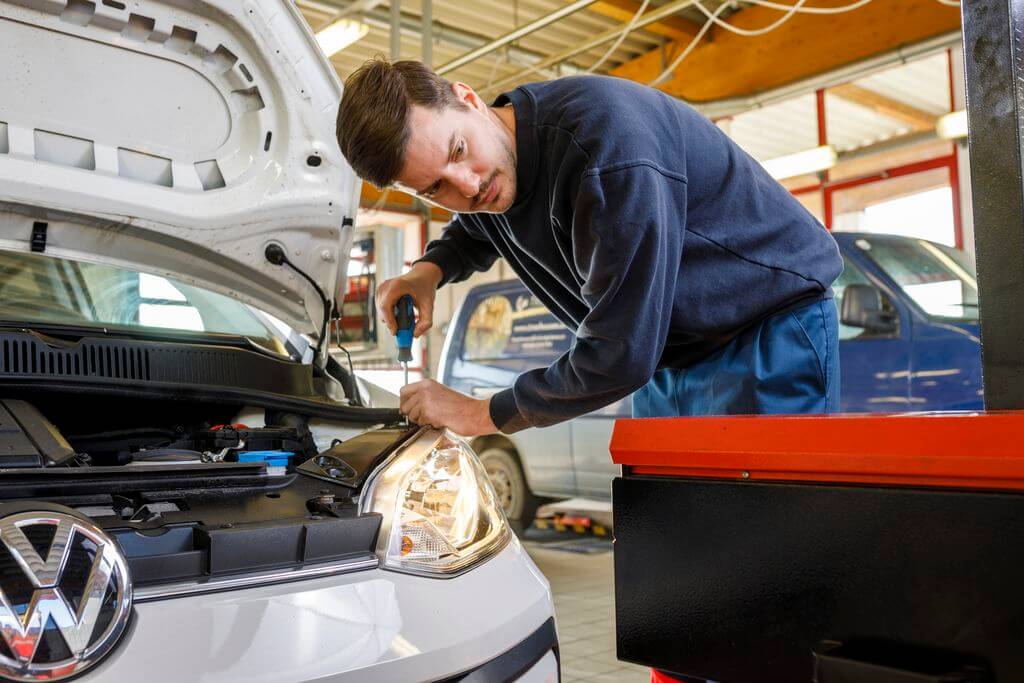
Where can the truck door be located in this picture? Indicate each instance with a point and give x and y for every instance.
(874, 366)
(945, 367)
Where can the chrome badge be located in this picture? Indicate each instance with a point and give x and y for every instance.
(65, 595)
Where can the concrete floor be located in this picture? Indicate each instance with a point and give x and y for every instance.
(583, 587)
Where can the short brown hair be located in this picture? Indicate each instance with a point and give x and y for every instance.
(373, 118)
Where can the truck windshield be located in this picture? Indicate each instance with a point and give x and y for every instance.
(47, 290)
(940, 279)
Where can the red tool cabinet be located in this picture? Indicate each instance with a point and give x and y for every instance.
(832, 549)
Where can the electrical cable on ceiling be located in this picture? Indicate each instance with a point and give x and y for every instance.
(812, 10)
(713, 19)
(494, 68)
(622, 36)
(790, 10)
(663, 76)
(506, 54)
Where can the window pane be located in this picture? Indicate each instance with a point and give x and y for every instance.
(935, 277)
(917, 205)
(852, 275)
(45, 289)
(156, 287)
(170, 315)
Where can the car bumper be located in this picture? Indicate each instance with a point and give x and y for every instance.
(365, 626)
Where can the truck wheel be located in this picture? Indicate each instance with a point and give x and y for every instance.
(514, 496)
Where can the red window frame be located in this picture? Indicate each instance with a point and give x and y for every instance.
(950, 162)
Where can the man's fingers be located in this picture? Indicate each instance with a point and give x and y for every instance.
(410, 390)
(386, 300)
(409, 402)
(415, 410)
(388, 295)
(405, 399)
(426, 321)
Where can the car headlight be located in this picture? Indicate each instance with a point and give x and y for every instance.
(440, 513)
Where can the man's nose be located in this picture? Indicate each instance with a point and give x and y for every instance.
(467, 183)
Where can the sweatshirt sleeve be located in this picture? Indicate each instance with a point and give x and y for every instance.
(461, 250)
(627, 237)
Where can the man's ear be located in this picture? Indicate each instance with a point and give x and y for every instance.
(468, 96)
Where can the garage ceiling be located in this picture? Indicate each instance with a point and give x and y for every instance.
(888, 105)
(460, 26)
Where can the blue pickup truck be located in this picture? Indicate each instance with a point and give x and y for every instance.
(908, 341)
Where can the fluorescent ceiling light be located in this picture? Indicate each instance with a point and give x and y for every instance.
(952, 125)
(801, 163)
(340, 35)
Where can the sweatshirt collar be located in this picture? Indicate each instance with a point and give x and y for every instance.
(527, 154)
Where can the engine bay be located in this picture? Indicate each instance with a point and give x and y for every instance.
(194, 490)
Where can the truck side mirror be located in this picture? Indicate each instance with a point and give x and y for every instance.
(862, 307)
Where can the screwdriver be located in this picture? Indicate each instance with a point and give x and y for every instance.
(405, 321)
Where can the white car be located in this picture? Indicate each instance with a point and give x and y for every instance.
(191, 489)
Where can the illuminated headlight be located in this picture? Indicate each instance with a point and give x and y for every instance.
(440, 513)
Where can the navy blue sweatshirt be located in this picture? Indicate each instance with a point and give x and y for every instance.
(645, 230)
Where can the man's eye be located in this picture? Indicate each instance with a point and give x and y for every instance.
(460, 150)
(432, 190)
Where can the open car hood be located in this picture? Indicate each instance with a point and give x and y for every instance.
(177, 138)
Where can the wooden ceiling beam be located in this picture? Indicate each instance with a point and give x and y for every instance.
(917, 119)
(675, 28)
(396, 201)
(728, 65)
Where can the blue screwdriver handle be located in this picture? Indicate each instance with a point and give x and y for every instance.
(405, 319)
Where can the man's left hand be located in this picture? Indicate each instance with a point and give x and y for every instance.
(431, 403)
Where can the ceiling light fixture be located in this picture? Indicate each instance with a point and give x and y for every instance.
(340, 34)
(809, 161)
(952, 126)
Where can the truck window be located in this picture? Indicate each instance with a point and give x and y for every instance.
(938, 278)
(852, 275)
(513, 327)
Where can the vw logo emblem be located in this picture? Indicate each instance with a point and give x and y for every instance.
(65, 595)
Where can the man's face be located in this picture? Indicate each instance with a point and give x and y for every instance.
(462, 160)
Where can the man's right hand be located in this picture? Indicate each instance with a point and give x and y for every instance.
(421, 284)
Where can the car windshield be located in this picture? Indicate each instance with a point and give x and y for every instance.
(47, 290)
(940, 279)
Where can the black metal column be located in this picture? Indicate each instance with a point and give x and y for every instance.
(994, 56)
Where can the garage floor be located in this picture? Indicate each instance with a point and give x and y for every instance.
(580, 571)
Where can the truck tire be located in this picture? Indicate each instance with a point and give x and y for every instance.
(509, 483)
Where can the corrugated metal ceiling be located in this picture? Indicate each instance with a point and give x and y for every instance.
(791, 126)
(460, 26)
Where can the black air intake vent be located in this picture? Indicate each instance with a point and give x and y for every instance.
(125, 362)
(24, 355)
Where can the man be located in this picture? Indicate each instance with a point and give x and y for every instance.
(691, 279)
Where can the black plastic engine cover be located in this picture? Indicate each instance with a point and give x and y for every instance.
(16, 449)
(28, 439)
(351, 462)
(744, 581)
